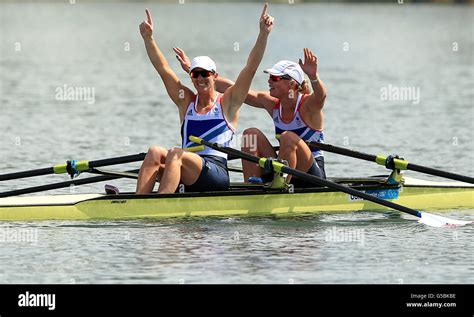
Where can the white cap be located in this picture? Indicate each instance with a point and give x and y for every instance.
(289, 68)
(204, 62)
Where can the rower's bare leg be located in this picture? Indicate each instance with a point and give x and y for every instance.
(152, 166)
(255, 143)
(294, 150)
(180, 166)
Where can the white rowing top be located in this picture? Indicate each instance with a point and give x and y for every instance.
(211, 126)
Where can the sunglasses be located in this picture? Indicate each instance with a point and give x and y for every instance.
(278, 78)
(203, 73)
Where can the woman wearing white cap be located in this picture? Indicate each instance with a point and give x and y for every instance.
(207, 114)
(297, 115)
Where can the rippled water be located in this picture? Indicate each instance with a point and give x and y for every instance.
(361, 50)
(352, 248)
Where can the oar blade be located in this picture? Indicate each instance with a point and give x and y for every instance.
(441, 222)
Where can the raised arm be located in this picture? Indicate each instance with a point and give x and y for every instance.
(310, 67)
(235, 95)
(180, 94)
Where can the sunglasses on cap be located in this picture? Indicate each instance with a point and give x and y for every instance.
(203, 73)
(278, 78)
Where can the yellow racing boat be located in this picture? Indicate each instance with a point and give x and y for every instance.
(408, 195)
(242, 200)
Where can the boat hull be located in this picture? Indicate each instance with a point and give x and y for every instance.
(233, 203)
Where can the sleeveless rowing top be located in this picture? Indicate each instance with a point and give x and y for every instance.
(297, 126)
(211, 126)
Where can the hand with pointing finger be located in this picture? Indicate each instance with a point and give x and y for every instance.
(266, 20)
(146, 27)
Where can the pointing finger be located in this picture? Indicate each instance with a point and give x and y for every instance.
(148, 14)
(265, 8)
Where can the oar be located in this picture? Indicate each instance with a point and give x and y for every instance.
(41, 188)
(397, 163)
(426, 218)
(72, 167)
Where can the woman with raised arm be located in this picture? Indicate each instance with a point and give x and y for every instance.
(206, 114)
(296, 112)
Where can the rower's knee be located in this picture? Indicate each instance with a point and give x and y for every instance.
(155, 153)
(289, 138)
(155, 149)
(174, 156)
